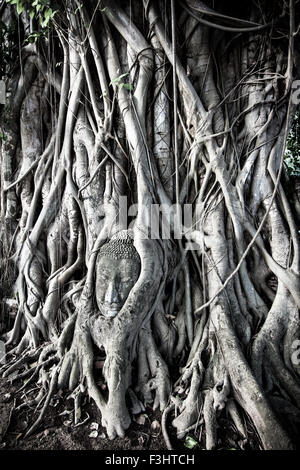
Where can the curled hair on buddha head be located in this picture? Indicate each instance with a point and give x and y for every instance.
(120, 246)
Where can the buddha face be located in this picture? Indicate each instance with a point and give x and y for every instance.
(114, 280)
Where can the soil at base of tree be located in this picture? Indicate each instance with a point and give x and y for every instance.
(57, 432)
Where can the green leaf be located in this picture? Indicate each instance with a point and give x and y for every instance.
(33, 37)
(116, 80)
(78, 8)
(190, 442)
(48, 13)
(128, 86)
(47, 17)
(20, 7)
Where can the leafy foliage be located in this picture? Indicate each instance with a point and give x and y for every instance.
(117, 81)
(292, 154)
(43, 10)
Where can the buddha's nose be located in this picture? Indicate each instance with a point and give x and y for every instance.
(112, 295)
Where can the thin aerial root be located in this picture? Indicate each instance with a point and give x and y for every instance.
(52, 387)
(210, 421)
(167, 410)
(41, 395)
(236, 418)
(24, 359)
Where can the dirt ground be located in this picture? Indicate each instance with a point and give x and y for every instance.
(57, 431)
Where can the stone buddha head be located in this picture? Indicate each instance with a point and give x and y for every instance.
(117, 270)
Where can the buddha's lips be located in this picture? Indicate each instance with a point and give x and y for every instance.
(110, 309)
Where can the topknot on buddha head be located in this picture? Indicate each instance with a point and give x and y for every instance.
(120, 246)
